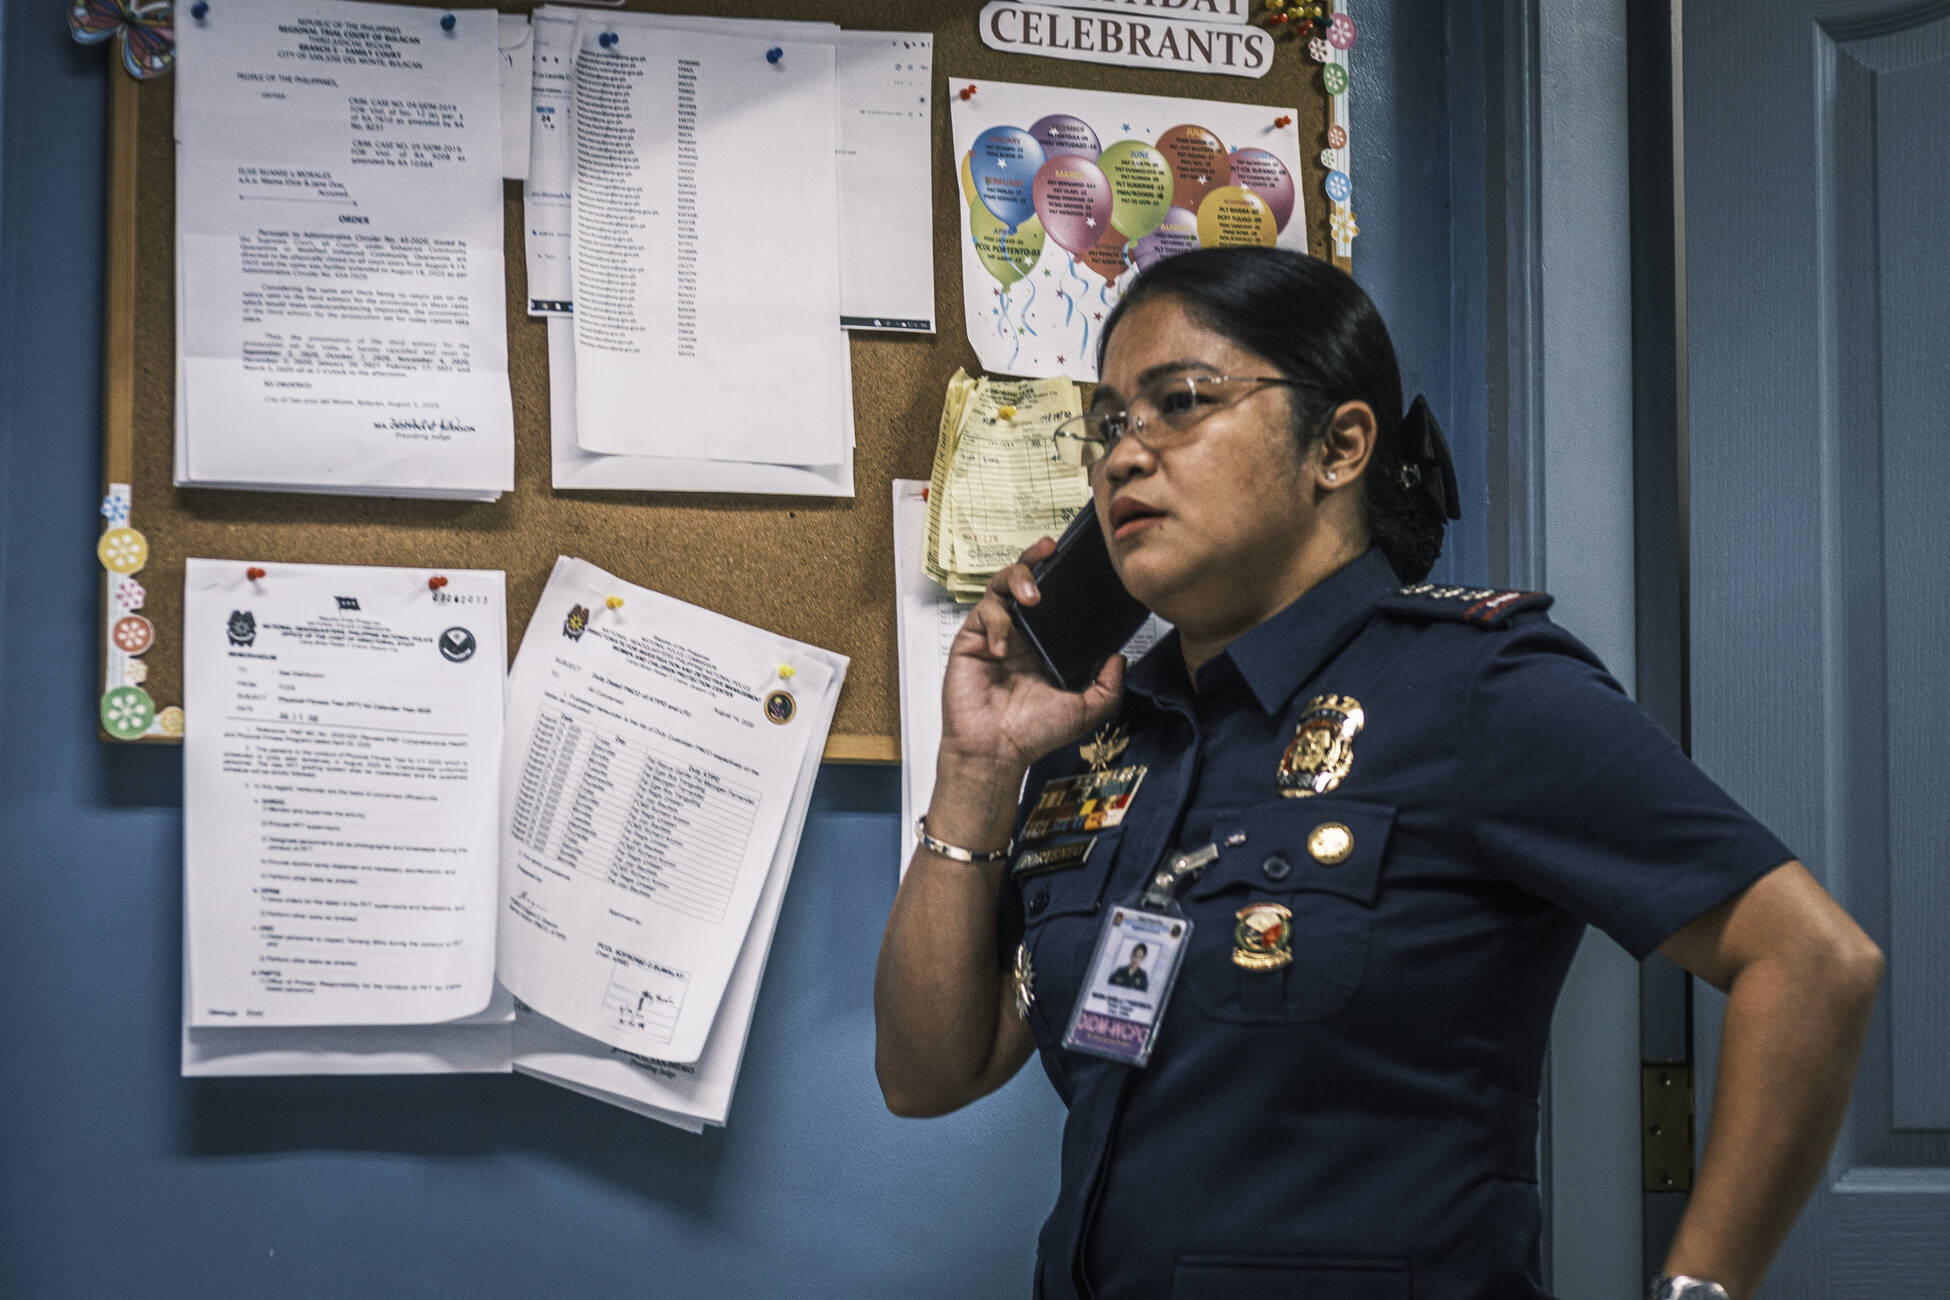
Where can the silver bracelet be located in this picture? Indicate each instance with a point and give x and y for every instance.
(955, 852)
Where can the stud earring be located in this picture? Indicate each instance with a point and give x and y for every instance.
(1332, 477)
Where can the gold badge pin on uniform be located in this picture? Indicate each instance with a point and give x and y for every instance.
(1322, 750)
(1025, 981)
(1104, 747)
(1330, 843)
(1263, 937)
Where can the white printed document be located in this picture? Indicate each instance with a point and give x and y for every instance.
(699, 1093)
(551, 142)
(572, 467)
(691, 338)
(886, 181)
(654, 754)
(341, 794)
(341, 320)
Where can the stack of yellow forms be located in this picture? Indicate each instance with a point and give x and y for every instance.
(1001, 478)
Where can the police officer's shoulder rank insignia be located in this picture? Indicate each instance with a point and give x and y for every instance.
(1321, 753)
(1483, 607)
(1263, 937)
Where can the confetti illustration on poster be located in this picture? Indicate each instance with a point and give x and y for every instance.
(1067, 194)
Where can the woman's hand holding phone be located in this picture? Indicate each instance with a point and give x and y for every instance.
(999, 711)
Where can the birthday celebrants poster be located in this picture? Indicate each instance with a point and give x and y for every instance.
(1068, 194)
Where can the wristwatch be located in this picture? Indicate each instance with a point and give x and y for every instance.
(1665, 1287)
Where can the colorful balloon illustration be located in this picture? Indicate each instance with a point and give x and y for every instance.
(1003, 161)
(1060, 134)
(1140, 180)
(1198, 161)
(1007, 254)
(1265, 175)
(1177, 233)
(1106, 258)
(1232, 215)
(967, 180)
(1073, 201)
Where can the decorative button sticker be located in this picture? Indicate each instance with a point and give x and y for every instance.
(127, 712)
(1337, 136)
(115, 509)
(133, 635)
(1320, 50)
(1341, 32)
(171, 721)
(1339, 187)
(1334, 77)
(1329, 159)
(1342, 224)
(134, 672)
(122, 550)
(129, 595)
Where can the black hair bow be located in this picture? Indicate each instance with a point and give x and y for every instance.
(1426, 467)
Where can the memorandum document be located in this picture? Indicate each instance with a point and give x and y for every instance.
(341, 288)
(654, 754)
(341, 789)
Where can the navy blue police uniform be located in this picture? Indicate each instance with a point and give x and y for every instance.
(1359, 1119)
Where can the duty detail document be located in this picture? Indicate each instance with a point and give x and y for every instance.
(341, 793)
(653, 751)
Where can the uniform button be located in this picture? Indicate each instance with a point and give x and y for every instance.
(1038, 901)
(1276, 868)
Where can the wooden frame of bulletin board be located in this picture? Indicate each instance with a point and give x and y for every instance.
(819, 570)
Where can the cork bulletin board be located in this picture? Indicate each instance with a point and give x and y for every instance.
(819, 570)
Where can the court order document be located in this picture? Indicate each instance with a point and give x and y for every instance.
(339, 245)
(654, 750)
(341, 792)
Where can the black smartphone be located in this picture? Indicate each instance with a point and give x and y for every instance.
(1085, 616)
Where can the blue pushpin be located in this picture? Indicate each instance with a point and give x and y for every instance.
(606, 40)
(448, 23)
(774, 54)
(200, 10)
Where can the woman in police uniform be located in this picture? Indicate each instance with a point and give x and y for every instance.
(1385, 811)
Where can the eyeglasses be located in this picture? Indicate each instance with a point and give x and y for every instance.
(1179, 403)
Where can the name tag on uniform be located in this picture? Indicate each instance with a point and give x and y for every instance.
(1131, 978)
(1054, 857)
(1092, 801)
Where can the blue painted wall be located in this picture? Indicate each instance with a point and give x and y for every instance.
(117, 1177)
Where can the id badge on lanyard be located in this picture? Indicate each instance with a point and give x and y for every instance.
(1134, 968)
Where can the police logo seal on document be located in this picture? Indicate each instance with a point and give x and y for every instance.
(1322, 750)
(576, 623)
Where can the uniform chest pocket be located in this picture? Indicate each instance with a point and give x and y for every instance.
(1060, 907)
(1283, 917)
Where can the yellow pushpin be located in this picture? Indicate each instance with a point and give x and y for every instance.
(787, 670)
(614, 602)
(1006, 412)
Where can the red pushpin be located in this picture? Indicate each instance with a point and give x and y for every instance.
(1283, 121)
(436, 582)
(253, 573)
(967, 93)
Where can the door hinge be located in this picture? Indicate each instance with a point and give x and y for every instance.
(1666, 1127)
